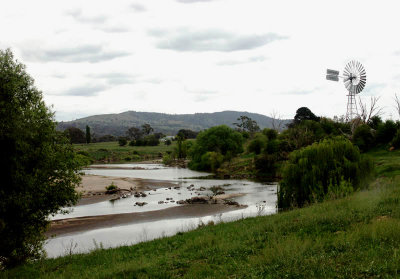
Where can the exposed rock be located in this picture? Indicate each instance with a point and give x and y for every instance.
(228, 202)
(198, 200)
(160, 202)
(220, 192)
(181, 202)
(140, 203)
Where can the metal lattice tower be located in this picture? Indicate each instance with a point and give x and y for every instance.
(352, 111)
(354, 78)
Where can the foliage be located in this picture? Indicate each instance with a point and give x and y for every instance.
(303, 134)
(75, 135)
(211, 161)
(88, 136)
(38, 165)
(218, 139)
(134, 133)
(168, 142)
(257, 144)
(246, 124)
(111, 189)
(313, 171)
(122, 141)
(304, 113)
(271, 134)
(363, 138)
(386, 131)
(396, 140)
(147, 129)
(188, 134)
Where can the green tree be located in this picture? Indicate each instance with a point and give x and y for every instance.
(219, 139)
(75, 135)
(147, 129)
(333, 167)
(39, 170)
(88, 136)
(246, 124)
(304, 113)
(122, 141)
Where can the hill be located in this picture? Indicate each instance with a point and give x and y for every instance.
(170, 124)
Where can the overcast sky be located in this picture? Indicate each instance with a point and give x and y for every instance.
(187, 56)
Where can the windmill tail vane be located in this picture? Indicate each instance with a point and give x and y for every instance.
(354, 78)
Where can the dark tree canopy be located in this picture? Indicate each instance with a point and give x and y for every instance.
(305, 113)
(88, 135)
(75, 135)
(188, 134)
(38, 168)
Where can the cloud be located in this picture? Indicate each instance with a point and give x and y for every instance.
(298, 92)
(253, 59)
(78, 16)
(138, 8)
(85, 91)
(202, 95)
(211, 40)
(85, 53)
(373, 89)
(115, 78)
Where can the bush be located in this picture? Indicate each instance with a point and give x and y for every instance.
(257, 144)
(314, 172)
(122, 141)
(386, 132)
(396, 140)
(168, 142)
(270, 133)
(111, 189)
(211, 161)
(363, 138)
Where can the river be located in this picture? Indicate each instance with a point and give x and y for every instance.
(259, 199)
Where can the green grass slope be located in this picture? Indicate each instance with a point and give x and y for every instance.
(354, 237)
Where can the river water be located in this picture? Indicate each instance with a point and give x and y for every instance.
(260, 199)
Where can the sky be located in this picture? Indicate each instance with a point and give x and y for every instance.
(189, 56)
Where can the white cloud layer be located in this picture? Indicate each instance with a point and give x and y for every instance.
(187, 56)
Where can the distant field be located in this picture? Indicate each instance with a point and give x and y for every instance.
(111, 152)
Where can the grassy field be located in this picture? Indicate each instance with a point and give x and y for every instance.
(111, 152)
(354, 237)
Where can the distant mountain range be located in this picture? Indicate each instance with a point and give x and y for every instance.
(170, 124)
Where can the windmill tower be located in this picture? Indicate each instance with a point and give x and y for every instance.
(354, 78)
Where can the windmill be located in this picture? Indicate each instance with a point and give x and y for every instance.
(354, 78)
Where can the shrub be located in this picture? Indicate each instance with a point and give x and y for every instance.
(363, 137)
(168, 142)
(386, 132)
(257, 144)
(122, 141)
(270, 133)
(396, 140)
(111, 189)
(211, 161)
(322, 168)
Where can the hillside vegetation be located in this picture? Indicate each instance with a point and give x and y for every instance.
(170, 124)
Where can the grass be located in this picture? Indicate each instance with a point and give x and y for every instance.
(111, 152)
(354, 237)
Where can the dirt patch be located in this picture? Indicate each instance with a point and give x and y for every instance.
(93, 187)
